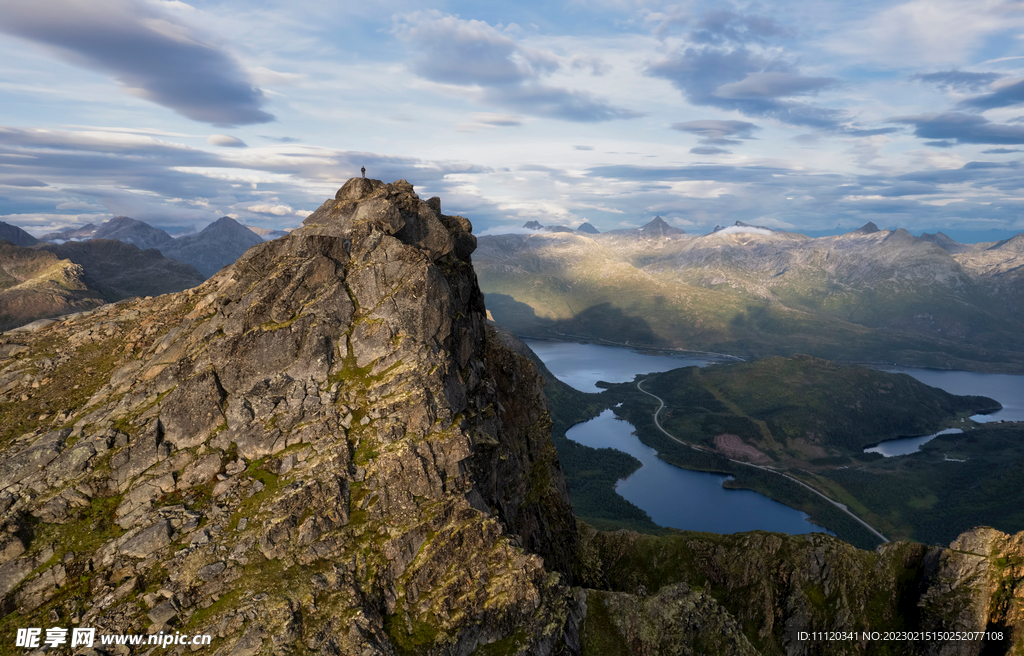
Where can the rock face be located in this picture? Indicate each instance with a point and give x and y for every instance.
(321, 449)
(214, 247)
(756, 593)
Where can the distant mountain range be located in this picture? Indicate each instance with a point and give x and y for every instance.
(870, 295)
(216, 246)
(85, 267)
(586, 227)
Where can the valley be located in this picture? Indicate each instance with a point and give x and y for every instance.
(872, 296)
(776, 423)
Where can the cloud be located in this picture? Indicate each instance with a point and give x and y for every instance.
(709, 150)
(1002, 151)
(772, 84)
(163, 182)
(595, 65)
(505, 230)
(276, 210)
(147, 52)
(1006, 96)
(457, 51)
(963, 128)
(925, 32)
(721, 26)
(958, 80)
(284, 140)
(555, 102)
(475, 55)
(718, 132)
(21, 182)
(744, 230)
(498, 120)
(731, 76)
(583, 148)
(225, 140)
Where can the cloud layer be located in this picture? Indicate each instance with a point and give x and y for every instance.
(474, 54)
(149, 54)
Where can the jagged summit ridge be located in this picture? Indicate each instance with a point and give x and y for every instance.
(373, 470)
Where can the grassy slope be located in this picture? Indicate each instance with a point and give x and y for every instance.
(567, 286)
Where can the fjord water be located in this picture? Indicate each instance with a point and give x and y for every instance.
(582, 365)
(685, 499)
(674, 497)
(1005, 388)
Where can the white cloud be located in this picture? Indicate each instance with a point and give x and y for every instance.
(743, 230)
(926, 32)
(266, 208)
(224, 140)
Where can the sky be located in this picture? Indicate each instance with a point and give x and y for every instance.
(810, 117)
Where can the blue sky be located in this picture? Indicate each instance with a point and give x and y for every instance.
(792, 115)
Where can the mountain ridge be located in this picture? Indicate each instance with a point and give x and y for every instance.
(868, 296)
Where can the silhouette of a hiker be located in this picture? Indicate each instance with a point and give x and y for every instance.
(364, 171)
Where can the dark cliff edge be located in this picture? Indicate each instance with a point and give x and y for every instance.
(324, 449)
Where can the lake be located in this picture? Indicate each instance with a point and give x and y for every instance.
(1005, 388)
(674, 497)
(582, 365)
(685, 499)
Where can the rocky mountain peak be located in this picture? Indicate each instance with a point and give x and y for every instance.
(588, 228)
(131, 231)
(325, 436)
(657, 227)
(866, 229)
(214, 247)
(363, 206)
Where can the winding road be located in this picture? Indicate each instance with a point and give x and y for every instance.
(661, 404)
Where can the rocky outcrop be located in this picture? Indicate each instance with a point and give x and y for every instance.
(320, 449)
(761, 593)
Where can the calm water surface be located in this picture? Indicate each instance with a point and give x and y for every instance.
(684, 499)
(675, 497)
(696, 501)
(582, 365)
(1005, 388)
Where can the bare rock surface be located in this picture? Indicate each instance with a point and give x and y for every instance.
(320, 446)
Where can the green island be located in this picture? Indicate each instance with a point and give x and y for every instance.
(776, 421)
